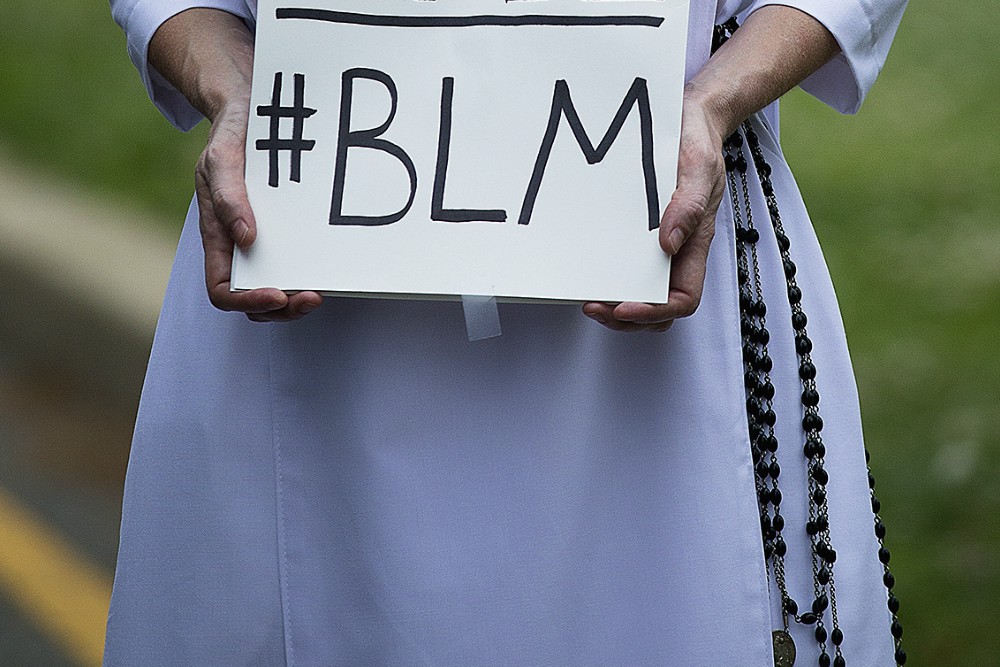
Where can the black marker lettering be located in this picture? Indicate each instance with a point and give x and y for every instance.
(438, 211)
(562, 104)
(366, 139)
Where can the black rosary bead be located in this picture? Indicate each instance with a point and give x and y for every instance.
(775, 496)
(802, 344)
(799, 320)
(888, 580)
(794, 295)
(897, 630)
(808, 618)
(839, 661)
(809, 449)
(789, 267)
(783, 243)
(871, 481)
(811, 528)
(837, 637)
(822, 522)
(810, 398)
(893, 603)
(764, 390)
(765, 364)
(900, 657)
(759, 308)
(741, 166)
(778, 522)
(824, 659)
(876, 505)
(812, 422)
(807, 371)
(819, 474)
(820, 634)
(763, 470)
(775, 471)
(884, 556)
(790, 606)
(730, 162)
(823, 576)
(820, 604)
(879, 530)
(770, 418)
(780, 547)
(819, 496)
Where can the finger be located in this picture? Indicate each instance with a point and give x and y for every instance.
(606, 314)
(695, 200)
(686, 211)
(220, 174)
(687, 274)
(299, 305)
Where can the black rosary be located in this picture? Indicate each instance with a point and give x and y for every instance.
(761, 418)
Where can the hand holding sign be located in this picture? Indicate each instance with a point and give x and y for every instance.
(524, 152)
(686, 230)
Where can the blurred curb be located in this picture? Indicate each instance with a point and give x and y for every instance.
(81, 283)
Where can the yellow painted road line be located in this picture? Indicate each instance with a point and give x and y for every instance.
(63, 592)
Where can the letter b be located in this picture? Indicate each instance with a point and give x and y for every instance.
(366, 139)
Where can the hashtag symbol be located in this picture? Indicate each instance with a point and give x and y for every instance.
(274, 144)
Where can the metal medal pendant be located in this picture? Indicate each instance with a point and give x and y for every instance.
(784, 648)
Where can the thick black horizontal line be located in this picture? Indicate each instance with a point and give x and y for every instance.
(380, 20)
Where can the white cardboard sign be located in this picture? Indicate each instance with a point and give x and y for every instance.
(519, 149)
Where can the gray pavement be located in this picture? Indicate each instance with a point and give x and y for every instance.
(81, 281)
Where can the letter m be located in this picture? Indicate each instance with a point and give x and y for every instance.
(562, 105)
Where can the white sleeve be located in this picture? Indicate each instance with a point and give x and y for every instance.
(140, 19)
(864, 29)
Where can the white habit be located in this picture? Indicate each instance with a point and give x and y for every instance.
(365, 487)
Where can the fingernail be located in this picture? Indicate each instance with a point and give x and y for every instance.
(675, 240)
(597, 317)
(308, 308)
(242, 229)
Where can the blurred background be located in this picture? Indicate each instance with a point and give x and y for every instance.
(94, 184)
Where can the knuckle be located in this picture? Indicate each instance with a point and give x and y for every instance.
(219, 301)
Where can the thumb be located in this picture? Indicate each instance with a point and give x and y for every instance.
(687, 209)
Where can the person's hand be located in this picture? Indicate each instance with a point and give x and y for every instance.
(686, 229)
(226, 220)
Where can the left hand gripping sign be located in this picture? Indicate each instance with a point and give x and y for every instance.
(521, 149)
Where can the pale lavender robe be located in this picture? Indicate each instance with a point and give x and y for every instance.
(367, 487)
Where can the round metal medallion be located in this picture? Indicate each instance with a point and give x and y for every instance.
(784, 648)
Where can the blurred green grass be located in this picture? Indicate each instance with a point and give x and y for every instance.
(904, 200)
(70, 101)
